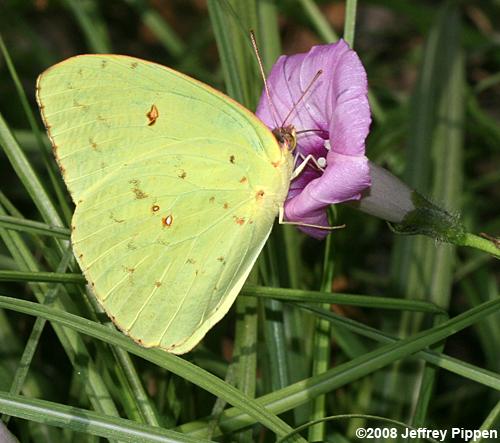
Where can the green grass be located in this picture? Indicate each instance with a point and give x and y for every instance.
(363, 325)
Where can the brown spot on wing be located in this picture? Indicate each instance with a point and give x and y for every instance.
(130, 273)
(231, 159)
(155, 208)
(167, 221)
(243, 179)
(239, 220)
(133, 65)
(92, 143)
(116, 220)
(259, 195)
(182, 174)
(82, 106)
(221, 259)
(226, 205)
(139, 193)
(157, 284)
(211, 199)
(152, 115)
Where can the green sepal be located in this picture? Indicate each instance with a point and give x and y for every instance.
(431, 220)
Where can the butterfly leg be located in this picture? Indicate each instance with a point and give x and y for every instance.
(319, 163)
(281, 221)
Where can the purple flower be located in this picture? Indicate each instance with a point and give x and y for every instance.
(332, 121)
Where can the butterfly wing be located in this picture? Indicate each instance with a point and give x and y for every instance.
(176, 188)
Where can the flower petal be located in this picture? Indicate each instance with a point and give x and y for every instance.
(317, 218)
(334, 109)
(387, 198)
(344, 179)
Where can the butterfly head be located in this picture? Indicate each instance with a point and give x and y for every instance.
(286, 136)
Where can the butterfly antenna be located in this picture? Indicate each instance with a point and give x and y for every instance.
(309, 86)
(261, 68)
(304, 131)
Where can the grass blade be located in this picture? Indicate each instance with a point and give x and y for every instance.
(321, 346)
(318, 21)
(232, 22)
(447, 187)
(350, 21)
(35, 129)
(490, 421)
(159, 27)
(27, 175)
(34, 227)
(367, 301)
(301, 392)
(167, 361)
(36, 332)
(71, 342)
(86, 421)
(422, 269)
(52, 277)
(90, 22)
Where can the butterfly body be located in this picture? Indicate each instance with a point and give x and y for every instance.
(176, 189)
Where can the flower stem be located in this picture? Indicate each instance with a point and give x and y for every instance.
(481, 243)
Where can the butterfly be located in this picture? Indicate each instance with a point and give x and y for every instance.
(176, 188)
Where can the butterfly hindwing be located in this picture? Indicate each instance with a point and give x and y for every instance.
(176, 188)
